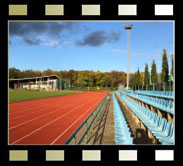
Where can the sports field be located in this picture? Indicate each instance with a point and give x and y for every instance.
(23, 95)
(50, 120)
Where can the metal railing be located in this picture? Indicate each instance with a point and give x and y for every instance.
(92, 117)
(155, 87)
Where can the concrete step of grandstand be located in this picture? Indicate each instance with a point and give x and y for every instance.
(109, 132)
(139, 135)
(103, 132)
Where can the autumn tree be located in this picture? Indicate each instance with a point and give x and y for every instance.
(47, 72)
(14, 73)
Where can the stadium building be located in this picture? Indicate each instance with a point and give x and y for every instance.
(51, 82)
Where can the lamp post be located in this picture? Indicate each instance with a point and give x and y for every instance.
(128, 27)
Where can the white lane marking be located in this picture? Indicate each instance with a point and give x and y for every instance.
(37, 102)
(37, 117)
(43, 109)
(46, 124)
(72, 125)
(35, 106)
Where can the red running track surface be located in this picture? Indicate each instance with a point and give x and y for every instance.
(51, 120)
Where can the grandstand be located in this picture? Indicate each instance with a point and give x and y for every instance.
(51, 82)
(134, 117)
(122, 131)
(150, 111)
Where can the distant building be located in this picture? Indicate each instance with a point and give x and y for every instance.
(121, 86)
(51, 82)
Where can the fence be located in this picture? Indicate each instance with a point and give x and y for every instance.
(156, 87)
(86, 88)
(86, 125)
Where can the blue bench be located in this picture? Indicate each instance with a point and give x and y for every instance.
(163, 94)
(122, 131)
(159, 127)
(162, 104)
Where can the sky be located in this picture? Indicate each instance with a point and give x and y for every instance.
(89, 45)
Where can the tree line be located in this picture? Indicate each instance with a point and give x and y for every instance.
(147, 78)
(75, 78)
(103, 79)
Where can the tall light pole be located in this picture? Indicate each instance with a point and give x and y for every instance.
(128, 27)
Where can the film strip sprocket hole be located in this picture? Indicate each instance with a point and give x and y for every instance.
(91, 155)
(91, 10)
(88, 153)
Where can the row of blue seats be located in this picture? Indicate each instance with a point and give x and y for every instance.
(159, 127)
(122, 131)
(163, 94)
(162, 104)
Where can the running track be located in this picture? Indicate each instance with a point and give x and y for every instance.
(51, 120)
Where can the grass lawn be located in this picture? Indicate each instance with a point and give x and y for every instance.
(22, 95)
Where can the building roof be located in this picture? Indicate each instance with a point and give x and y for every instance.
(33, 78)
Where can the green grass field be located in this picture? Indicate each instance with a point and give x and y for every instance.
(23, 95)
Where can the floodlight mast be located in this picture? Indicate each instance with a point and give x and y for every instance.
(128, 27)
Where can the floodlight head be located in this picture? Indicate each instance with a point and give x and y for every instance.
(128, 26)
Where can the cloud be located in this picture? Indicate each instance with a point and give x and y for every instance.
(159, 53)
(98, 38)
(53, 34)
(51, 28)
(133, 53)
(119, 51)
(139, 54)
(50, 43)
(32, 32)
(11, 43)
(148, 23)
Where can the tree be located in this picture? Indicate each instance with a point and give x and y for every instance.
(154, 76)
(83, 81)
(108, 80)
(75, 78)
(91, 78)
(47, 72)
(14, 73)
(165, 70)
(38, 73)
(146, 75)
(70, 75)
(99, 78)
(172, 68)
(138, 78)
(141, 78)
(28, 74)
(133, 80)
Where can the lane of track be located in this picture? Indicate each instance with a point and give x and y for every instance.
(47, 110)
(59, 124)
(28, 124)
(62, 137)
(24, 106)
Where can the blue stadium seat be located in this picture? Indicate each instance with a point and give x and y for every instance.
(159, 127)
(122, 131)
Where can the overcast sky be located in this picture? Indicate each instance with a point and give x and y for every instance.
(88, 45)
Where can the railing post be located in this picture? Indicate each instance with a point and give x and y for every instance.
(96, 115)
(74, 140)
(96, 111)
(86, 128)
(92, 121)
